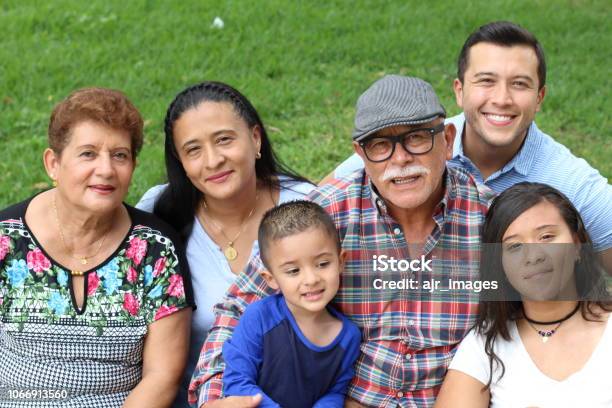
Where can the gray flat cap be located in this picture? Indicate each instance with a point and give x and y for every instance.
(395, 100)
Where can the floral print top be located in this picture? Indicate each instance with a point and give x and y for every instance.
(94, 353)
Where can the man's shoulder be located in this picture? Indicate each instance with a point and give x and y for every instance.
(555, 164)
(556, 154)
(464, 186)
(341, 190)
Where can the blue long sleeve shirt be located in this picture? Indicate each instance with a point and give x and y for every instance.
(269, 355)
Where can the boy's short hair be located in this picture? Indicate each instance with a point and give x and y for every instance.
(292, 218)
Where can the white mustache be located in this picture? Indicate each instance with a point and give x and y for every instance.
(408, 171)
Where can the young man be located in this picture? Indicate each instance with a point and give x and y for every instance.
(500, 85)
(407, 205)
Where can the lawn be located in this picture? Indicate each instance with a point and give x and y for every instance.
(302, 64)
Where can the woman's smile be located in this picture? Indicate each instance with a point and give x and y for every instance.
(219, 177)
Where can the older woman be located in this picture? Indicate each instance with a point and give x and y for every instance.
(94, 294)
(222, 177)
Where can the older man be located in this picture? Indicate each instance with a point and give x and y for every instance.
(406, 206)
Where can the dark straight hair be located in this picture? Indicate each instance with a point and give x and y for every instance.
(506, 34)
(493, 316)
(179, 201)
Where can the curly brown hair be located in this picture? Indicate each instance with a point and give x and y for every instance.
(107, 107)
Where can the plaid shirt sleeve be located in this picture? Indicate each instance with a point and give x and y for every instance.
(207, 380)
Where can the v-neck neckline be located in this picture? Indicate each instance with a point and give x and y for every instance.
(590, 361)
(77, 309)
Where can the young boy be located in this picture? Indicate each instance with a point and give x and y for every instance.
(292, 348)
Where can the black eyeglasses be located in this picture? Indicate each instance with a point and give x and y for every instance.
(416, 141)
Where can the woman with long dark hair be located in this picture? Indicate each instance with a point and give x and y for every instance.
(222, 177)
(546, 342)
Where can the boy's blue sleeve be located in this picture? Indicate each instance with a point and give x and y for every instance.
(334, 398)
(243, 355)
(330, 400)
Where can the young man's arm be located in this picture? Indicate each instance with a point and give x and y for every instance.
(206, 383)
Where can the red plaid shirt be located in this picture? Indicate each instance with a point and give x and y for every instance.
(409, 336)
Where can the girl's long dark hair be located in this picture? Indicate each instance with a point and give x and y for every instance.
(493, 316)
(178, 203)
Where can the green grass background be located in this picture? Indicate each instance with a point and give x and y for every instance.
(302, 63)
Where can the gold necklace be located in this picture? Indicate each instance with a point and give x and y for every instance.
(230, 252)
(82, 259)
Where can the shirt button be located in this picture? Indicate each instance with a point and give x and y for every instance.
(400, 394)
(410, 322)
(397, 231)
(408, 356)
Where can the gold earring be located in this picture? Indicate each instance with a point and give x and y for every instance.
(258, 155)
(53, 180)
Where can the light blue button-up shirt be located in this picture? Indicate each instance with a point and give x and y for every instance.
(541, 159)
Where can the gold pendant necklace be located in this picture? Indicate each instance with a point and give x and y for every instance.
(84, 260)
(230, 252)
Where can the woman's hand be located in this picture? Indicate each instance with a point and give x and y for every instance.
(164, 359)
